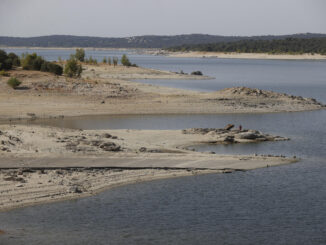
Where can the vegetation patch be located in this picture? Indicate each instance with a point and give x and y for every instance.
(73, 68)
(13, 82)
(37, 63)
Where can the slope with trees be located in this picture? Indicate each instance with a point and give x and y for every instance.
(286, 46)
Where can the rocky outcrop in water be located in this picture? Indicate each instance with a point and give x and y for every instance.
(234, 136)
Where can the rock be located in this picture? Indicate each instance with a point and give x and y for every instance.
(31, 114)
(248, 136)
(75, 189)
(142, 149)
(110, 146)
(229, 127)
(106, 135)
(229, 139)
(96, 142)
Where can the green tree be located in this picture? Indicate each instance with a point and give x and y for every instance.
(72, 68)
(104, 60)
(109, 61)
(14, 59)
(115, 61)
(80, 54)
(5, 61)
(125, 61)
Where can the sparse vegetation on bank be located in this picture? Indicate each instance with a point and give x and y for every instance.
(73, 68)
(13, 82)
(80, 54)
(126, 62)
(7, 61)
(37, 63)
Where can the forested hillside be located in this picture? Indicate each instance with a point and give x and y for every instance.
(288, 46)
(134, 42)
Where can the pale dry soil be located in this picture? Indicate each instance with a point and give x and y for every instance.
(45, 164)
(107, 90)
(51, 164)
(232, 55)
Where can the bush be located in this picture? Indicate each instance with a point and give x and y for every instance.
(37, 63)
(80, 54)
(72, 68)
(115, 61)
(14, 59)
(5, 61)
(197, 73)
(51, 67)
(32, 62)
(3, 73)
(13, 82)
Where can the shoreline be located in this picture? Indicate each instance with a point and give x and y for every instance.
(155, 175)
(108, 90)
(191, 54)
(264, 56)
(41, 164)
(105, 89)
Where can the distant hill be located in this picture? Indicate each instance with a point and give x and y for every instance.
(134, 42)
(288, 45)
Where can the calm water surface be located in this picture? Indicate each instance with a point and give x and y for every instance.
(280, 205)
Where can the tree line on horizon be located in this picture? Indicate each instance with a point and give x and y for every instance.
(285, 46)
(148, 41)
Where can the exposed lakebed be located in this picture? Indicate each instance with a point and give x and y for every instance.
(281, 205)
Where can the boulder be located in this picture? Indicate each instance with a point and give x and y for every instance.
(110, 146)
(248, 136)
(229, 126)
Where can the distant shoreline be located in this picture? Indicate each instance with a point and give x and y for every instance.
(194, 54)
(68, 48)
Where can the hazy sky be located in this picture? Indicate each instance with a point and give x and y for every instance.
(120, 18)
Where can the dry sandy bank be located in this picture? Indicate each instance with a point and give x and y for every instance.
(44, 164)
(193, 54)
(105, 90)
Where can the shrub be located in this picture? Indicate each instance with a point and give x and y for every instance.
(115, 61)
(32, 62)
(3, 73)
(5, 61)
(13, 82)
(14, 59)
(197, 73)
(104, 60)
(55, 68)
(80, 54)
(51, 67)
(72, 68)
(37, 63)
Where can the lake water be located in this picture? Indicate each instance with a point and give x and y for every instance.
(279, 205)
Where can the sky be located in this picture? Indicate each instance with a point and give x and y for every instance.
(124, 18)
